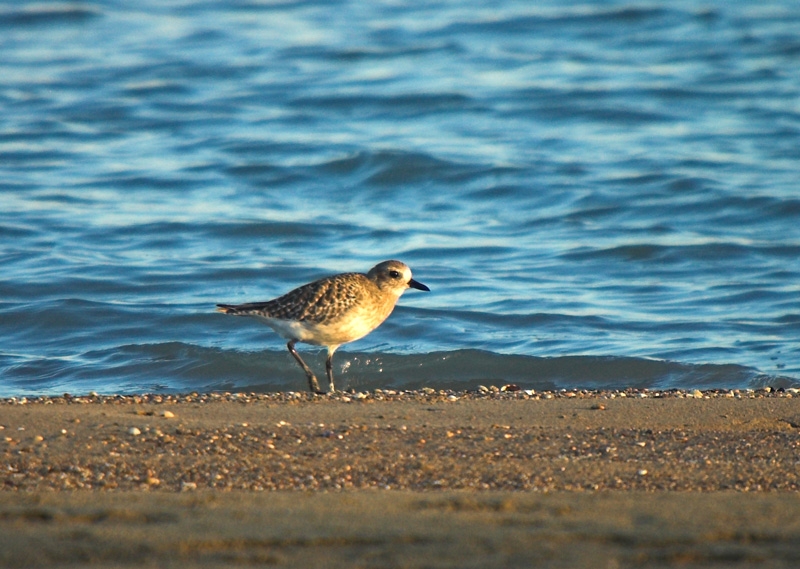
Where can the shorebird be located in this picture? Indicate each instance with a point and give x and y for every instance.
(332, 311)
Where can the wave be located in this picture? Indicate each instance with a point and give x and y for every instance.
(176, 367)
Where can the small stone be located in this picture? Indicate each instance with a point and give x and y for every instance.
(168, 414)
(38, 438)
(642, 472)
(134, 431)
(187, 486)
(697, 394)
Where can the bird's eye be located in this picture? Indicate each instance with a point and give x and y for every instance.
(394, 274)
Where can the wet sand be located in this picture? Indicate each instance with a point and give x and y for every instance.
(384, 479)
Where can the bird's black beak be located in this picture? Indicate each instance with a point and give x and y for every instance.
(418, 285)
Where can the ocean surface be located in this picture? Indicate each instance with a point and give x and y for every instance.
(599, 194)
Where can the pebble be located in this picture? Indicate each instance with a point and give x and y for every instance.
(426, 394)
(134, 431)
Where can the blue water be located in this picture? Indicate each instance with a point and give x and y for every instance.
(599, 194)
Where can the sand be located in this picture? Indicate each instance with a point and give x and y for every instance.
(386, 479)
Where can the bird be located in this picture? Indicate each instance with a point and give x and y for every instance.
(332, 311)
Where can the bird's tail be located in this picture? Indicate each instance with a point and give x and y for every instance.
(227, 308)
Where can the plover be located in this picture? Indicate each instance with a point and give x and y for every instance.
(332, 311)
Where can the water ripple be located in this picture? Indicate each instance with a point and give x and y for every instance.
(598, 195)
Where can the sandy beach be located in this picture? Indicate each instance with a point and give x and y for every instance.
(408, 479)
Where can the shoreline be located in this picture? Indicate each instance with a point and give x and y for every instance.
(414, 479)
(508, 391)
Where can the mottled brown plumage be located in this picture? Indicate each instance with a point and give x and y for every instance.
(332, 311)
(315, 302)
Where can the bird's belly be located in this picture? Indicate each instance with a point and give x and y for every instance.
(334, 333)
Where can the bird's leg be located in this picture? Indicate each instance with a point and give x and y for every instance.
(329, 365)
(312, 379)
(329, 369)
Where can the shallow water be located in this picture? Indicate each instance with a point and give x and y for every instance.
(599, 194)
